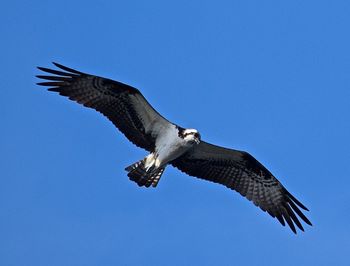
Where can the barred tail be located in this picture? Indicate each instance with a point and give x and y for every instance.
(143, 176)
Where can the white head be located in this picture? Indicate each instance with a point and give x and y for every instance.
(191, 135)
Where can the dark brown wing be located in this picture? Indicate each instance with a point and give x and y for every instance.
(124, 105)
(240, 171)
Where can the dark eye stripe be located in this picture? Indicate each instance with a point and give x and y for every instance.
(192, 133)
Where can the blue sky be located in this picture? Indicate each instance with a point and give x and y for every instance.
(268, 77)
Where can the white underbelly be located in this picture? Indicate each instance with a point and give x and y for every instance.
(169, 154)
(170, 147)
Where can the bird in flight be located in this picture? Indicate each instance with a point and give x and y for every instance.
(170, 144)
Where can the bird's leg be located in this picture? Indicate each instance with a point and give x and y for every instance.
(150, 162)
(146, 172)
(152, 167)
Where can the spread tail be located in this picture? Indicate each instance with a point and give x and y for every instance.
(144, 176)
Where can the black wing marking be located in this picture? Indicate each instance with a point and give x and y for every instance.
(124, 105)
(240, 171)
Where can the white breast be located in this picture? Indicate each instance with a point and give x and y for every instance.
(170, 146)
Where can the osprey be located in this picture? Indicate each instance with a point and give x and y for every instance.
(170, 144)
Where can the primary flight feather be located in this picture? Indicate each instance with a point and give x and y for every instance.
(171, 144)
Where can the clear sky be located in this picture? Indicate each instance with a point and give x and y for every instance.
(268, 77)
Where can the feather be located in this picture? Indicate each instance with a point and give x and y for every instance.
(243, 173)
(122, 104)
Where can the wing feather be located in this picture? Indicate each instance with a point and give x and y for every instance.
(240, 171)
(124, 105)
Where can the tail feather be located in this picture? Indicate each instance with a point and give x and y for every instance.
(143, 176)
(134, 166)
(156, 176)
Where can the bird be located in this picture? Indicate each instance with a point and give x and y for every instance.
(170, 144)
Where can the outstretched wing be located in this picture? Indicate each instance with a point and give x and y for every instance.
(124, 105)
(240, 171)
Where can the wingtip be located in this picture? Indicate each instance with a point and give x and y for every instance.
(295, 200)
(41, 76)
(59, 65)
(68, 69)
(43, 83)
(308, 222)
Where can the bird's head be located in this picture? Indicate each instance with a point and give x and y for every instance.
(191, 135)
